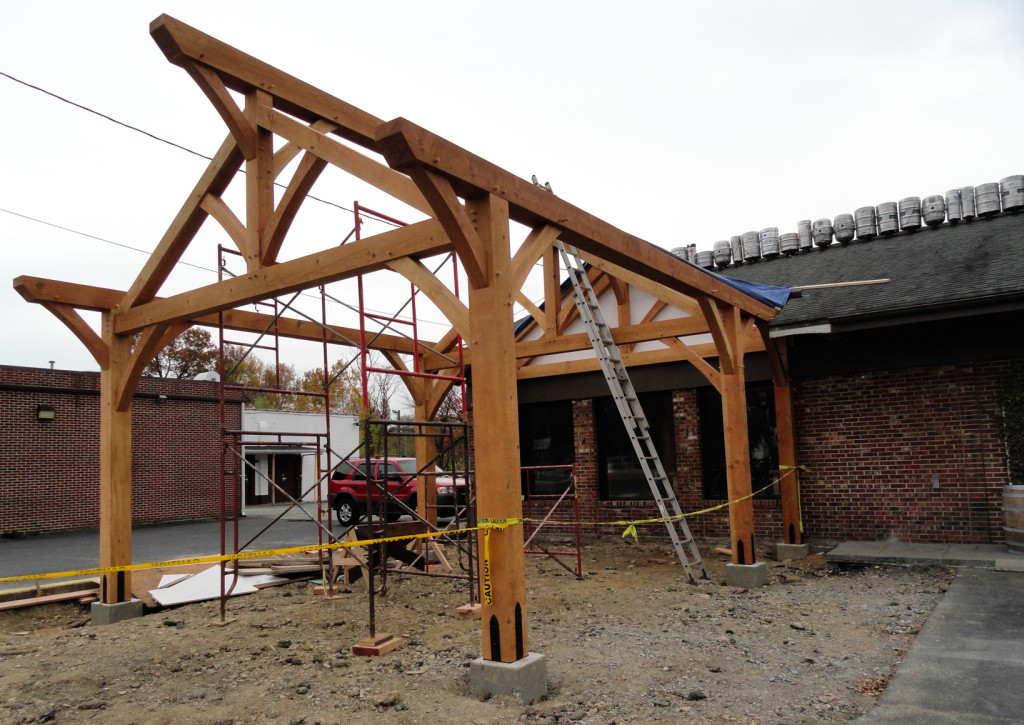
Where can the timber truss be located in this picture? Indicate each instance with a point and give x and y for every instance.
(467, 205)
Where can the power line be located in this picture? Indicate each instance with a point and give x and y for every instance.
(146, 252)
(159, 138)
(99, 239)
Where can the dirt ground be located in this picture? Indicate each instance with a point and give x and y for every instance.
(633, 641)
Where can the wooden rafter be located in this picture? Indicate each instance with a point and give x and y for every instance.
(407, 146)
(240, 72)
(456, 222)
(67, 314)
(241, 127)
(310, 168)
(473, 202)
(69, 296)
(451, 306)
(315, 140)
(219, 173)
(425, 238)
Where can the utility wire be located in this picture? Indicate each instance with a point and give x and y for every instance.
(159, 138)
(143, 251)
(99, 239)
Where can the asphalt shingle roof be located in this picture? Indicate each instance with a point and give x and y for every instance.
(940, 267)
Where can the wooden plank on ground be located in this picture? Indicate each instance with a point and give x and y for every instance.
(47, 599)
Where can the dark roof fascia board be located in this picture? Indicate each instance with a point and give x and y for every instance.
(926, 313)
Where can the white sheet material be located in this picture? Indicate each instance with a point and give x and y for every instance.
(205, 585)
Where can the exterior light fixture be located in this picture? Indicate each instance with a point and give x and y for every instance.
(45, 412)
(161, 398)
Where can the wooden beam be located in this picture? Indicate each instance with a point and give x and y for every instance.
(298, 188)
(568, 313)
(456, 222)
(186, 224)
(789, 474)
(622, 302)
(151, 341)
(527, 304)
(316, 141)
(649, 316)
(88, 337)
(623, 336)
(724, 343)
(241, 128)
(182, 44)
(647, 357)
(496, 442)
(425, 238)
(737, 444)
(222, 214)
(289, 151)
(450, 306)
(407, 146)
(115, 496)
(552, 292)
(658, 291)
(536, 244)
(259, 184)
(40, 291)
(712, 375)
(71, 295)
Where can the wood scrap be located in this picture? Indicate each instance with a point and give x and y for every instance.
(46, 599)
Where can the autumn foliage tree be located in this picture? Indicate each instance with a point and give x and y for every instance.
(191, 353)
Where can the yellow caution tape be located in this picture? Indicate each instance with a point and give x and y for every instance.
(485, 587)
(485, 525)
(217, 558)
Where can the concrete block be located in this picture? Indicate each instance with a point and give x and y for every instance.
(527, 678)
(791, 551)
(1010, 563)
(746, 576)
(114, 613)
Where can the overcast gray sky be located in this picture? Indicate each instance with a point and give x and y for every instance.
(680, 122)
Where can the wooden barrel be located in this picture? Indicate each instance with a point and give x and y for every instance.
(1013, 518)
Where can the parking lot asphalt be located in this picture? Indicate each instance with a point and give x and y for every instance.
(78, 550)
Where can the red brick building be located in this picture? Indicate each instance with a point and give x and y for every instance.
(49, 465)
(895, 386)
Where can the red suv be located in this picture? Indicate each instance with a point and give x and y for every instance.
(347, 488)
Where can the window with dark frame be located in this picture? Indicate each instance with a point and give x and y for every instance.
(546, 438)
(620, 476)
(764, 443)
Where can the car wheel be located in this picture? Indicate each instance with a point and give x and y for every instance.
(348, 510)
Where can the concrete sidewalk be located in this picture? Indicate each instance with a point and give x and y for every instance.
(967, 664)
(988, 556)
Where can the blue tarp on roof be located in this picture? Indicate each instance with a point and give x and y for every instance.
(764, 293)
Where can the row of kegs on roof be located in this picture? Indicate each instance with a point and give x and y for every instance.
(864, 224)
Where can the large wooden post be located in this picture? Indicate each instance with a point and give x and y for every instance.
(496, 439)
(737, 446)
(789, 487)
(115, 467)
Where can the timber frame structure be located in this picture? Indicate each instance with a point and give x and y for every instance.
(468, 204)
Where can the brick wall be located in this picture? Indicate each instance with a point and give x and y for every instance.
(50, 469)
(874, 441)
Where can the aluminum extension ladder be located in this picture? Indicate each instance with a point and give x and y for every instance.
(632, 413)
